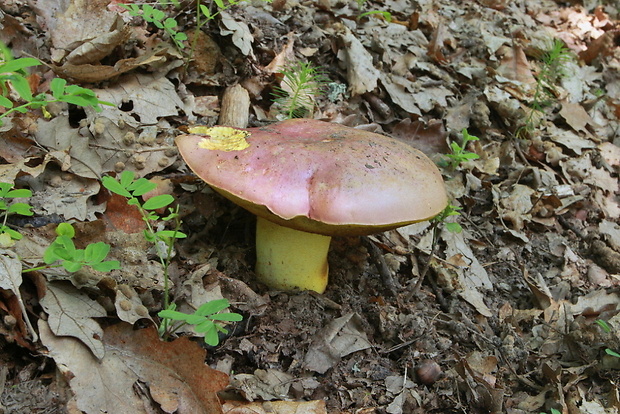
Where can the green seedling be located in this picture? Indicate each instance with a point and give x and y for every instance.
(12, 73)
(301, 83)
(552, 70)
(459, 151)
(605, 327)
(63, 251)
(158, 18)
(7, 192)
(386, 15)
(553, 411)
(204, 319)
(450, 210)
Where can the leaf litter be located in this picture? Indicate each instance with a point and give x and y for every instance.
(509, 317)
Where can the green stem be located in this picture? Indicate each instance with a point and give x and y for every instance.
(32, 269)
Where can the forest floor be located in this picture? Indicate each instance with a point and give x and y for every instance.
(519, 312)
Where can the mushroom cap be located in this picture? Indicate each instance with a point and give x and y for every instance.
(317, 176)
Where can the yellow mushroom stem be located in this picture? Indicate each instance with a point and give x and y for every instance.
(287, 259)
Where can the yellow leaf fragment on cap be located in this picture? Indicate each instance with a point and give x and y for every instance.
(222, 138)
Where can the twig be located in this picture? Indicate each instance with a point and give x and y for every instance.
(427, 265)
(384, 271)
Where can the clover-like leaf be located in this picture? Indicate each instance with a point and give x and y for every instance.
(159, 201)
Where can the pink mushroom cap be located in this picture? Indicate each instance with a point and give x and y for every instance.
(321, 177)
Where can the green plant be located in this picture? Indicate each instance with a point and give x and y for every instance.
(553, 411)
(63, 250)
(158, 18)
(605, 327)
(552, 69)
(204, 319)
(386, 15)
(450, 210)
(360, 5)
(459, 151)
(301, 83)
(7, 192)
(130, 188)
(12, 72)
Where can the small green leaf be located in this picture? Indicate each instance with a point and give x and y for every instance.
(227, 317)
(65, 229)
(169, 23)
(21, 209)
(141, 187)
(604, 325)
(126, 178)
(18, 64)
(106, 266)
(454, 227)
(194, 319)
(213, 306)
(20, 193)
(158, 202)
(206, 12)
(5, 102)
(96, 252)
(172, 314)
(71, 266)
(168, 234)
(211, 337)
(114, 186)
(12, 233)
(180, 36)
(22, 87)
(612, 353)
(57, 86)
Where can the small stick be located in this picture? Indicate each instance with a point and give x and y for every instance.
(427, 265)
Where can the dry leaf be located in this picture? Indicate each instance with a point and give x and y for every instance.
(473, 277)
(97, 73)
(431, 137)
(11, 279)
(71, 312)
(576, 117)
(265, 385)
(400, 90)
(241, 34)
(339, 338)
(514, 65)
(175, 373)
(129, 307)
(361, 73)
(58, 135)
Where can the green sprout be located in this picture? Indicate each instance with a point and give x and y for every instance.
(13, 74)
(301, 83)
(63, 250)
(158, 18)
(606, 328)
(552, 69)
(459, 152)
(450, 210)
(8, 192)
(204, 319)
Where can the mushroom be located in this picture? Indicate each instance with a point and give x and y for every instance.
(309, 180)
